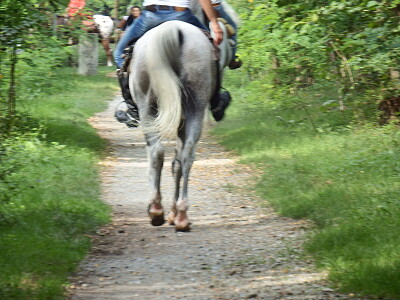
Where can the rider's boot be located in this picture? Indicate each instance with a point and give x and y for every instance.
(131, 116)
(219, 105)
(235, 63)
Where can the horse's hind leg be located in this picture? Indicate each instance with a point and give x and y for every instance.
(177, 173)
(155, 152)
(193, 130)
(106, 46)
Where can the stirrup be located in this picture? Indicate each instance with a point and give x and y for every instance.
(130, 116)
(236, 63)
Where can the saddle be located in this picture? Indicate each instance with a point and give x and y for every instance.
(218, 102)
(128, 51)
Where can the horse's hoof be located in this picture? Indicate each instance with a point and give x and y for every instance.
(171, 218)
(157, 220)
(182, 222)
(156, 216)
(183, 227)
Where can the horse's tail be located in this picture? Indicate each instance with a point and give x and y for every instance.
(163, 65)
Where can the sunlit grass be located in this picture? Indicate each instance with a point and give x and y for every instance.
(344, 178)
(49, 188)
(76, 99)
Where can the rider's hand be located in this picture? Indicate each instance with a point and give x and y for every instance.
(218, 33)
(206, 5)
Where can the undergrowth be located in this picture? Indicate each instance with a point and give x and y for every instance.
(338, 169)
(49, 187)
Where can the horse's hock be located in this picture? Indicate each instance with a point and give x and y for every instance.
(88, 54)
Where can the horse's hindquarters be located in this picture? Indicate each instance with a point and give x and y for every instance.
(174, 70)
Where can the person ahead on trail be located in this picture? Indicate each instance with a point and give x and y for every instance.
(134, 14)
(154, 13)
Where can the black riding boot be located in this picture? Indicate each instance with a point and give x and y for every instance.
(220, 100)
(131, 116)
(235, 63)
(219, 104)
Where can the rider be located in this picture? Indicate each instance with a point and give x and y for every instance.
(156, 12)
(236, 62)
(134, 13)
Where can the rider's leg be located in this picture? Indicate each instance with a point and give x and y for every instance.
(235, 63)
(136, 30)
(220, 100)
(131, 116)
(222, 13)
(147, 21)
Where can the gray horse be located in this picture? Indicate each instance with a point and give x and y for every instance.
(172, 79)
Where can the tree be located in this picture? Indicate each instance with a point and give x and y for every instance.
(21, 23)
(353, 45)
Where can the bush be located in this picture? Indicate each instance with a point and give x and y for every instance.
(48, 200)
(320, 165)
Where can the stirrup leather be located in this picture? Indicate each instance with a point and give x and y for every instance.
(128, 54)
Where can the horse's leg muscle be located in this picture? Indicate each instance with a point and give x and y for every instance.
(193, 131)
(177, 173)
(155, 152)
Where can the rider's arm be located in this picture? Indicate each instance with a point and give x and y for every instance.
(212, 16)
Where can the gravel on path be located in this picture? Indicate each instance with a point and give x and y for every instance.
(236, 249)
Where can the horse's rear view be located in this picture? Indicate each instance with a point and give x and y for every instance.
(172, 78)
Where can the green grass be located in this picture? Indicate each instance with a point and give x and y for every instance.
(74, 99)
(49, 188)
(344, 178)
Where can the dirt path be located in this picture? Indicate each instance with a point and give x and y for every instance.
(235, 250)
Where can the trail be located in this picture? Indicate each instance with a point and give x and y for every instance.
(236, 250)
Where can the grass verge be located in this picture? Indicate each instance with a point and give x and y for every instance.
(345, 179)
(49, 188)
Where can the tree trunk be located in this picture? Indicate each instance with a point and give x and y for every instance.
(116, 7)
(12, 87)
(88, 54)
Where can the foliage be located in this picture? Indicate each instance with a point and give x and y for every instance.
(49, 187)
(107, 7)
(305, 112)
(353, 45)
(49, 199)
(342, 175)
(23, 29)
(31, 48)
(66, 114)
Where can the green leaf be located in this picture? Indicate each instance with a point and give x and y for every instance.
(314, 18)
(372, 3)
